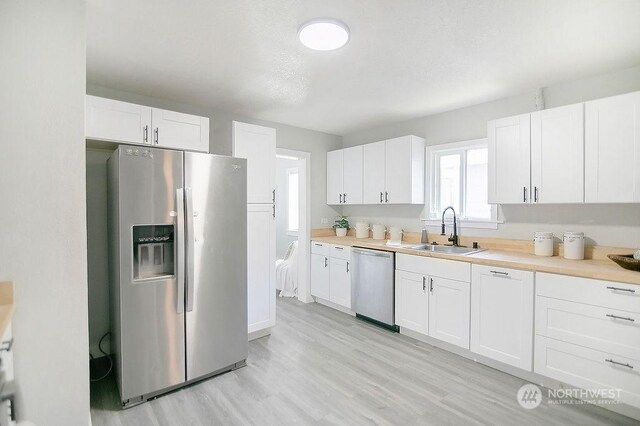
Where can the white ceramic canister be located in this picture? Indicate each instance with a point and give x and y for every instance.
(543, 243)
(379, 232)
(395, 233)
(573, 245)
(362, 230)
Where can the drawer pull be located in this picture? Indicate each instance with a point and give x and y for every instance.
(318, 245)
(621, 289)
(339, 248)
(620, 318)
(619, 363)
(499, 273)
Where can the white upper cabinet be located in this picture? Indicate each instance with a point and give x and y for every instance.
(258, 145)
(509, 160)
(557, 155)
(180, 131)
(335, 176)
(109, 120)
(123, 122)
(352, 173)
(394, 171)
(373, 185)
(612, 149)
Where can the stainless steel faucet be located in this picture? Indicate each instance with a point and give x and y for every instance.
(453, 238)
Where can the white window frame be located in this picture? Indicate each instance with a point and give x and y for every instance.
(290, 171)
(434, 152)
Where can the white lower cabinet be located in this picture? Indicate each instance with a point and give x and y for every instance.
(430, 301)
(330, 273)
(502, 315)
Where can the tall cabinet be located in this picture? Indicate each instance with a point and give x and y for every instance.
(258, 145)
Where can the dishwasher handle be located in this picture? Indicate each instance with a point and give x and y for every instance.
(376, 253)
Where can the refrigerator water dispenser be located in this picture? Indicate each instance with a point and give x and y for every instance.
(153, 251)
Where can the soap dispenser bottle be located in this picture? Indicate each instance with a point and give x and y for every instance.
(424, 238)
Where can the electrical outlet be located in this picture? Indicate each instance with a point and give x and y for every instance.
(324, 221)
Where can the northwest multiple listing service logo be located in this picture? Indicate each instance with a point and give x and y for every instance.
(529, 396)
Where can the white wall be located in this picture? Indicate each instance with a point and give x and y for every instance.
(282, 203)
(614, 225)
(42, 194)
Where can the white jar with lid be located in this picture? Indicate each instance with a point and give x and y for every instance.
(543, 243)
(573, 245)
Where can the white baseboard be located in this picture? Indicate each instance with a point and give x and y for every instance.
(335, 306)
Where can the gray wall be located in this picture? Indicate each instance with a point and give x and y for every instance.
(614, 225)
(42, 219)
(316, 143)
(282, 202)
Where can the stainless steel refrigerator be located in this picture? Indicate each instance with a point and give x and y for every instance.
(178, 268)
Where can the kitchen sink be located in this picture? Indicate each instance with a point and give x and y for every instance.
(445, 249)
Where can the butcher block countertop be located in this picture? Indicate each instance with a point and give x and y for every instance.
(7, 307)
(602, 269)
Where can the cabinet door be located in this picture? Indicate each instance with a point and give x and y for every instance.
(258, 145)
(509, 160)
(180, 131)
(261, 267)
(449, 311)
(320, 276)
(373, 170)
(612, 149)
(352, 182)
(109, 120)
(557, 155)
(502, 315)
(340, 282)
(398, 170)
(412, 301)
(335, 176)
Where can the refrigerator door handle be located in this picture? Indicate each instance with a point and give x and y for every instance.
(190, 249)
(180, 255)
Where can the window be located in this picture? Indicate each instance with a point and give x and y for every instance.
(458, 177)
(292, 201)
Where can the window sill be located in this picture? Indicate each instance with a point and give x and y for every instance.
(478, 224)
(292, 233)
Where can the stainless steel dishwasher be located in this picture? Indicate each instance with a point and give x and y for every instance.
(372, 286)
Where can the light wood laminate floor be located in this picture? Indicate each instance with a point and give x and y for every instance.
(320, 366)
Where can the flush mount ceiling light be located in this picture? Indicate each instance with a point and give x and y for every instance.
(324, 34)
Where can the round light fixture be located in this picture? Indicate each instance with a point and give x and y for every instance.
(324, 34)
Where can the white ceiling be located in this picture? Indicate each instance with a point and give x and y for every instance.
(406, 58)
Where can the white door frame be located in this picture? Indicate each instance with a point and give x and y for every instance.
(304, 231)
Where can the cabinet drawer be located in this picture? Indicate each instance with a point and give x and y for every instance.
(450, 269)
(341, 252)
(624, 297)
(588, 368)
(605, 329)
(320, 248)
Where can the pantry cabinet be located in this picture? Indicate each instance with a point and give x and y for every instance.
(344, 176)
(612, 149)
(109, 120)
(502, 315)
(557, 155)
(509, 160)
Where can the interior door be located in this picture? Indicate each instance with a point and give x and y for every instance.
(352, 176)
(557, 155)
(180, 131)
(449, 310)
(335, 176)
(398, 170)
(258, 145)
(151, 306)
(216, 285)
(509, 160)
(373, 170)
(110, 120)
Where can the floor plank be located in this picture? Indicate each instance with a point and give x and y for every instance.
(320, 366)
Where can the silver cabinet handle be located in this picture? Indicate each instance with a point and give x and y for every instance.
(524, 194)
(621, 289)
(155, 135)
(499, 273)
(317, 244)
(347, 267)
(273, 196)
(535, 194)
(145, 133)
(180, 249)
(339, 248)
(190, 249)
(325, 262)
(618, 363)
(380, 196)
(424, 284)
(431, 285)
(344, 198)
(621, 318)
(340, 198)
(386, 197)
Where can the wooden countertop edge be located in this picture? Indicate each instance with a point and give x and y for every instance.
(594, 269)
(7, 306)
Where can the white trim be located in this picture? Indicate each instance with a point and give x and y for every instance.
(290, 171)
(292, 233)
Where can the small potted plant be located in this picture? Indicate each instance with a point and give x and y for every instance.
(341, 226)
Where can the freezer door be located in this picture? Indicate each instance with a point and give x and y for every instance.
(216, 300)
(150, 322)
